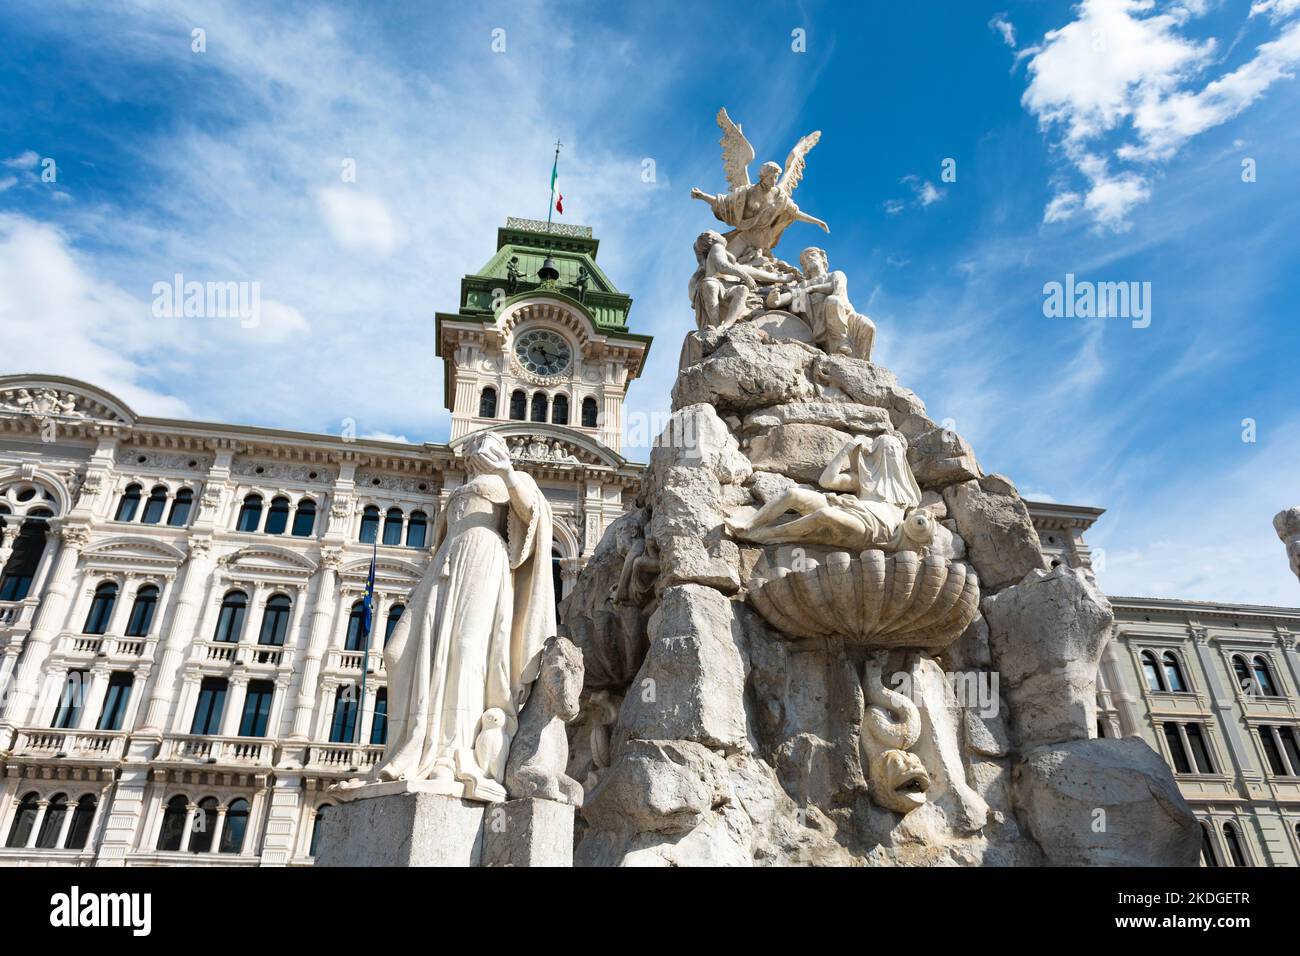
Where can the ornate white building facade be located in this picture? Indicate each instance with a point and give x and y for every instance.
(1215, 690)
(181, 636)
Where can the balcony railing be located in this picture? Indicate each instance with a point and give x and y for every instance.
(342, 758)
(227, 652)
(107, 745)
(223, 751)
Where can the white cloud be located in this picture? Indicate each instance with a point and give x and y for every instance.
(1005, 28)
(358, 221)
(25, 160)
(386, 436)
(1121, 68)
(1275, 9)
(924, 193)
(61, 318)
(8, 183)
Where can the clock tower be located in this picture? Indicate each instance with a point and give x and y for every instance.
(540, 347)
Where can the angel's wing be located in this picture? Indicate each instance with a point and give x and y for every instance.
(795, 161)
(737, 153)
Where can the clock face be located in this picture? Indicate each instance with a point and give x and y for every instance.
(542, 351)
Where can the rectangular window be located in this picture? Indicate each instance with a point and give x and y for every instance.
(212, 701)
(379, 727)
(1177, 753)
(343, 726)
(1274, 755)
(1200, 752)
(1290, 749)
(115, 701)
(71, 700)
(257, 708)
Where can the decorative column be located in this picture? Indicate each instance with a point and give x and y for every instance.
(322, 616)
(49, 621)
(94, 701)
(198, 567)
(236, 691)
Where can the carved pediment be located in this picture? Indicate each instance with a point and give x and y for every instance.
(61, 399)
(263, 559)
(132, 551)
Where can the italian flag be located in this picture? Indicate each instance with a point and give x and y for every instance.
(557, 197)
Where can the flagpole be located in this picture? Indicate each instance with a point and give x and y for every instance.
(550, 204)
(368, 621)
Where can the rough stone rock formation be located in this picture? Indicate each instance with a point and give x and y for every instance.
(721, 729)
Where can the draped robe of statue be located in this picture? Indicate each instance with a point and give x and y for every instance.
(472, 635)
(762, 229)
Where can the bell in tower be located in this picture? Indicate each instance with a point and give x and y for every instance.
(548, 272)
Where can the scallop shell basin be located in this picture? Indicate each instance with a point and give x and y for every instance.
(874, 600)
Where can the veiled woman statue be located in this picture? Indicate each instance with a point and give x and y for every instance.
(462, 658)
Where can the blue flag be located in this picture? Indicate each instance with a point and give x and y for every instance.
(369, 601)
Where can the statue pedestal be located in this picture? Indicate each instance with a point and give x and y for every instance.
(403, 825)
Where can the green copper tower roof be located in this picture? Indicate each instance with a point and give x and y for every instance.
(527, 243)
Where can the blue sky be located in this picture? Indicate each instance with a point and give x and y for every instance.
(1104, 139)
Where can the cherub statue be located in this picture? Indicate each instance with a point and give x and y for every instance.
(720, 287)
(822, 298)
(757, 212)
(879, 509)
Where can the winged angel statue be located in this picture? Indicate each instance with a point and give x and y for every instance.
(757, 212)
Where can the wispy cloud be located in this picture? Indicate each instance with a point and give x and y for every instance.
(1123, 88)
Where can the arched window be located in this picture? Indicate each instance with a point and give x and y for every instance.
(1263, 677)
(487, 403)
(369, 525)
(24, 819)
(393, 526)
(304, 518)
(316, 827)
(560, 410)
(518, 406)
(205, 822)
(232, 836)
(128, 503)
(1208, 856)
(52, 826)
(230, 622)
(394, 615)
(83, 817)
(1173, 673)
(118, 695)
(1151, 671)
(181, 506)
(29, 545)
(343, 726)
(250, 514)
(173, 823)
(379, 726)
(416, 529)
(1242, 672)
(588, 412)
(155, 506)
(356, 627)
(101, 608)
(275, 620)
(539, 407)
(1234, 845)
(277, 519)
(142, 611)
(1177, 753)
